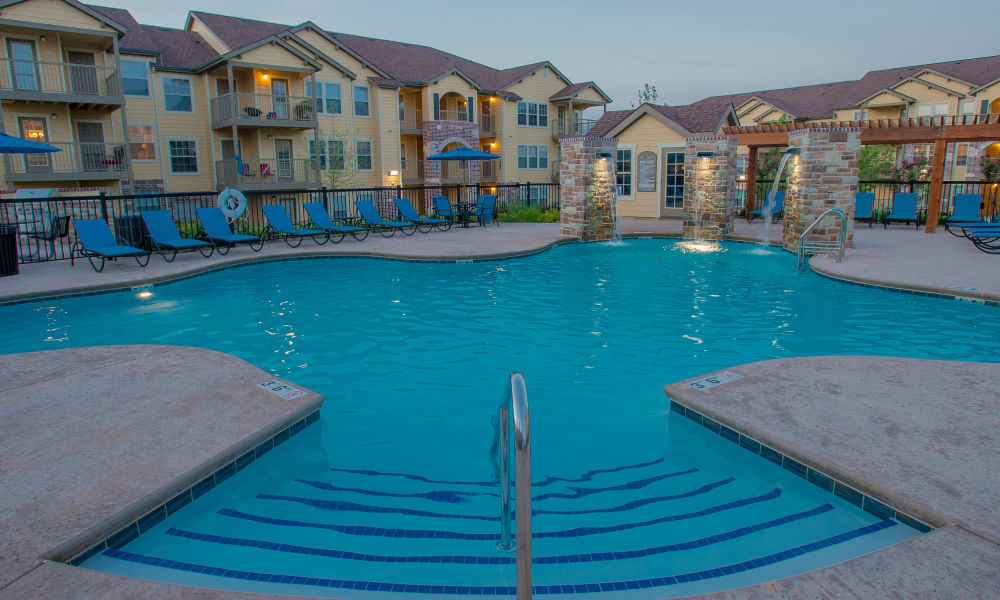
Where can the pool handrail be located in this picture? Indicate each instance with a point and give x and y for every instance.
(806, 247)
(515, 399)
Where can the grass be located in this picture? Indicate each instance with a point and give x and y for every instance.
(520, 213)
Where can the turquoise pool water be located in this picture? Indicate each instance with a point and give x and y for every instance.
(412, 358)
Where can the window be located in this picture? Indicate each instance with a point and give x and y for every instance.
(327, 97)
(134, 79)
(331, 154)
(961, 155)
(927, 109)
(177, 95)
(141, 142)
(363, 153)
(532, 157)
(861, 115)
(673, 190)
(361, 107)
(969, 107)
(984, 107)
(623, 165)
(532, 114)
(925, 152)
(183, 156)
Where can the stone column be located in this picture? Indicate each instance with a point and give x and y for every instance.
(709, 187)
(587, 189)
(824, 175)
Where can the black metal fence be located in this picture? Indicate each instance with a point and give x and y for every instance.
(40, 240)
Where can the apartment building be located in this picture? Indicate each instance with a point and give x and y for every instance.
(227, 101)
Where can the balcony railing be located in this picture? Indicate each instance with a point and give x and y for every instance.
(262, 173)
(487, 125)
(75, 160)
(30, 78)
(265, 108)
(411, 118)
(562, 128)
(453, 115)
(413, 170)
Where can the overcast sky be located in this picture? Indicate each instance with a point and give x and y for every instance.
(688, 50)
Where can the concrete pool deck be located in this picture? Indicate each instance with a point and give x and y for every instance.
(919, 435)
(94, 438)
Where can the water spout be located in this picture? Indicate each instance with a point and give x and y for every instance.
(770, 203)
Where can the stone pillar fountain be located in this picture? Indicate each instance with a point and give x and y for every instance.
(587, 191)
(823, 175)
(709, 186)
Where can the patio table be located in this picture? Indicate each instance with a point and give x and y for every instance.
(465, 210)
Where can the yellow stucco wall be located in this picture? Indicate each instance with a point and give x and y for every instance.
(52, 12)
(648, 134)
(537, 87)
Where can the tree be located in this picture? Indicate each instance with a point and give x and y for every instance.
(338, 169)
(876, 162)
(646, 94)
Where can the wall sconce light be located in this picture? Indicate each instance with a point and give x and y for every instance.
(53, 116)
(268, 137)
(393, 173)
(706, 154)
(603, 155)
(265, 76)
(492, 98)
(42, 39)
(493, 144)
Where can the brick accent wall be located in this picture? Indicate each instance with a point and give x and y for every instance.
(824, 175)
(437, 135)
(587, 189)
(710, 188)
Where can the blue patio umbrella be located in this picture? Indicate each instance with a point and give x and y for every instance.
(14, 145)
(464, 154)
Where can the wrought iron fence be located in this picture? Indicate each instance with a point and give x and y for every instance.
(39, 238)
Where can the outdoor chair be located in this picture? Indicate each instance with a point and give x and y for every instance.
(58, 228)
(985, 237)
(375, 222)
(217, 230)
(486, 210)
(280, 225)
(321, 220)
(443, 209)
(904, 209)
(167, 240)
(95, 240)
(776, 203)
(864, 207)
(406, 210)
(965, 212)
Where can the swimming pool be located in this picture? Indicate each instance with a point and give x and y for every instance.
(391, 486)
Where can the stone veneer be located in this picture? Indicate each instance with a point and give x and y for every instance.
(587, 189)
(824, 175)
(437, 135)
(709, 188)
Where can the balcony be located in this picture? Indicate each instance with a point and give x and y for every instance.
(85, 86)
(76, 161)
(487, 125)
(453, 171)
(489, 170)
(412, 171)
(411, 120)
(453, 115)
(564, 128)
(555, 171)
(266, 174)
(263, 110)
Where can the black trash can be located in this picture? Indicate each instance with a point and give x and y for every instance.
(131, 230)
(8, 250)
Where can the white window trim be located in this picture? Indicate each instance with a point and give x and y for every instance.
(633, 148)
(354, 112)
(661, 184)
(156, 145)
(321, 84)
(163, 91)
(357, 165)
(149, 83)
(324, 141)
(548, 114)
(197, 155)
(548, 157)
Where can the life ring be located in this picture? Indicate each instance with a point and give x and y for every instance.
(232, 203)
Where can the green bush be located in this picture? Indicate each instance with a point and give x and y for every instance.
(519, 213)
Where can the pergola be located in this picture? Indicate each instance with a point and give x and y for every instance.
(940, 131)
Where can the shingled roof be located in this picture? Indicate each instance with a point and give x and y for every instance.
(607, 122)
(174, 47)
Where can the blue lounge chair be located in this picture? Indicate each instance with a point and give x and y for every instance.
(217, 230)
(486, 210)
(985, 237)
(94, 240)
(321, 220)
(965, 212)
(375, 222)
(409, 213)
(904, 209)
(443, 209)
(864, 207)
(280, 225)
(167, 239)
(776, 204)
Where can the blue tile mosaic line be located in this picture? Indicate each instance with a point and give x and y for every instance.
(811, 475)
(579, 492)
(338, 505)
(161, 512)
(440, 534)
(589, 475)
(506, 560)
(404, 588)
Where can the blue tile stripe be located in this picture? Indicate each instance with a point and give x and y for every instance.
(407, 588)
(504, 559)
(579, 492)
(367, 530)
(337, 505)
(153, 517)
(811, 475)
(588, 476)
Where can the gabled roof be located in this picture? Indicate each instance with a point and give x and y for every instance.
(271, 39)
(895, 93)
(177, 48)
(84, 8)
(289, 35)
(929, 84)
(687, 120)
(573, 90)
(608, 121)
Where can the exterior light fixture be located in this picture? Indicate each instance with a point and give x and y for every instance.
(393, 173)
(144, 294)
(53, 116)
(265, 76)
(603, 155)
(706, 154)
(492, 98)
(42, 39)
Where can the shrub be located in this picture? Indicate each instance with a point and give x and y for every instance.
(519, 213)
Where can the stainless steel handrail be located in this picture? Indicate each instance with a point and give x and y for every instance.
(515, 398)
(841, 237)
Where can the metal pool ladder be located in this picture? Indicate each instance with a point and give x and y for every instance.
(806, 247)
(515, 399)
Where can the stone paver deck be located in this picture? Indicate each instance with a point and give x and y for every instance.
(917, 434)
(95, 437)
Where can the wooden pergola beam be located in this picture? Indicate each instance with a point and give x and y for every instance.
(751, 191)
(964, 128)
